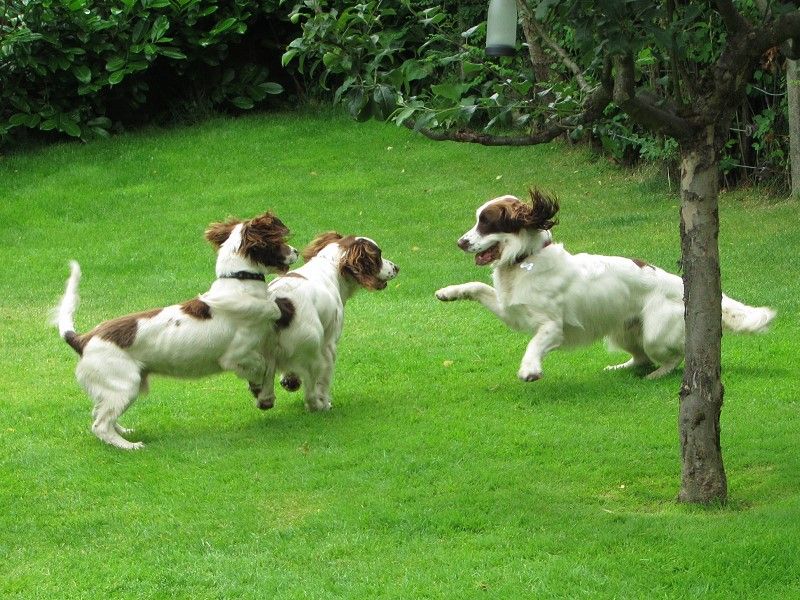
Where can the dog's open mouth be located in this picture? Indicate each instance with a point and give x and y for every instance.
(488, 256)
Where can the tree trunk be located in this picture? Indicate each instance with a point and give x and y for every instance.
(702, 474)
(793, 93)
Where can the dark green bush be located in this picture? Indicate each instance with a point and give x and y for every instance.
(82, 67)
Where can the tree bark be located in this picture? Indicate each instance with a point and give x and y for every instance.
(703, 477)
(793, 93)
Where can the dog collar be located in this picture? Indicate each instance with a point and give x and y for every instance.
(244, 275)
(524, 257)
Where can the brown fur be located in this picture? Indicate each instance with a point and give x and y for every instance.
(217, 233)
(640, 263)
(293, 274)
(263, 238)
(510, 216)
(318, 243)
(287, 309)
(264, 241)
(120, 331)
(362, 261)
(76, 342)
(197, 309)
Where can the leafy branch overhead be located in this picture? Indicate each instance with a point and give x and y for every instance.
(615, 71)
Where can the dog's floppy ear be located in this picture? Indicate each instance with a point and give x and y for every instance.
(318, 243)
(263, 238)
(217, 233)
(362, 261)
(541, 212)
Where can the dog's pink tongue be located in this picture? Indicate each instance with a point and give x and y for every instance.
(485, 257)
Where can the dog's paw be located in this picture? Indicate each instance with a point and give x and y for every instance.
(265, 403)
(448, 294)
(318, 404)
(290, 382)
(528, 375)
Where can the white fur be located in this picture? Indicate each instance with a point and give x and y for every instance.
(307, 347)
(568, 300)
(175, 344)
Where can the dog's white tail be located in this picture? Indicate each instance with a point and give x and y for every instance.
(741, 318)
(66, 309)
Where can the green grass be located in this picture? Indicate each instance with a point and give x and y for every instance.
(438, 474)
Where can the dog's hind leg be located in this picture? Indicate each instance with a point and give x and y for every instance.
(629, 338)
(113, 380)
(665, 369)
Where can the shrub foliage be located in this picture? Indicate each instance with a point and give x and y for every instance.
(79, 67)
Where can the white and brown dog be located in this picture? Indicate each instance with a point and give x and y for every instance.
(305, 347)
(568, 299)
(221, 330)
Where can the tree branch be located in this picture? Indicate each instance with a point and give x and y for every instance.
(733, 20)
(539, 61)
(593, 107)
(528, 22)
(641, 108)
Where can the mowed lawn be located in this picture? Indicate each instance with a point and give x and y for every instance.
(437, 474)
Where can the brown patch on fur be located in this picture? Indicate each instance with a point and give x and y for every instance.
(217, 233)
(290, 382)
(197, 309)
(318, 243)
(75, 341)
(510, 216)
(120, 331)
(287, 309)
(362, 261)
(264, 241)
(640, 263)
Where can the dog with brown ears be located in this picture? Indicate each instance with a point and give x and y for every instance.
(221, 330)
(304, 348)
(566, 299)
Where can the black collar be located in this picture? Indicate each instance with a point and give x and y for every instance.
(244, 275)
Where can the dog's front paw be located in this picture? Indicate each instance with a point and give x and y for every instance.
(449, 293)
(265, 403)
(529, 375)
(318, 404)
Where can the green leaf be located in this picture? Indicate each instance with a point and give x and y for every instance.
(116, 77)
(19, 119)
(68, 125)
(104, 122)
(287, 57)
(159, 28)
(403, 115)
(83, 73)
(272, 88)
(171, 52)
(115, 63)
(451, 91)
(330, 58)
(243, 102)
(223, 26)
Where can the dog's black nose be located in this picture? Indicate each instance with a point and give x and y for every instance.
(463, 244)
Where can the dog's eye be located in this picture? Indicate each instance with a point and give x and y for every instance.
(482, 218)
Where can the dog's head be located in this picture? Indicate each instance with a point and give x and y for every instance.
(261, 241)
(359, 258)
(508, 228)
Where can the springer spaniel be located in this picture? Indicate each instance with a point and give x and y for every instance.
(568, 299)
(221, 330)
(304, 346)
